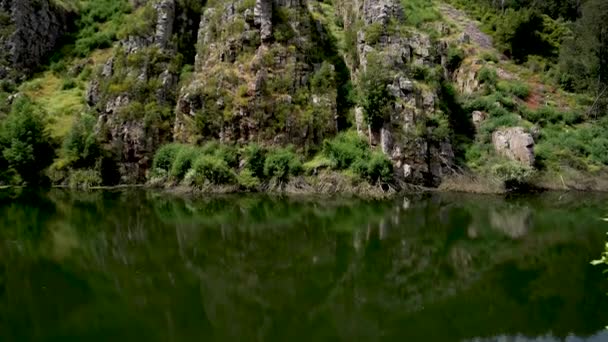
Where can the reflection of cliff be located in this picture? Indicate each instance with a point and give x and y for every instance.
(257, 268)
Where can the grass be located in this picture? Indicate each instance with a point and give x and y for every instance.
(419, 12)
(62, 105)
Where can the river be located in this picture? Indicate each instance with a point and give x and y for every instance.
(147, 266)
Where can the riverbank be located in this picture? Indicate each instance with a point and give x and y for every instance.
(331, 183)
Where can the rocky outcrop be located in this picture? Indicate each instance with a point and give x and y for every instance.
(466, 77)
(514, 143)
(132, 91)
(417, 155)
(263, 18)
(33, 30)
(253, 82)
(165, 11)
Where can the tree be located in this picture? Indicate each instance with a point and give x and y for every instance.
(26, 144)
(375, 97)
(584, 58)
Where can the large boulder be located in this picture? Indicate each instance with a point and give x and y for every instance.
(515, 143)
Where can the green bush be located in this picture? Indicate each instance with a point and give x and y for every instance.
(81, 146)
(516, 88)
(345, 149)
(512, 173)
(255, 158)
(375, 98)
(420, 12)
(282, 163)
(487, 76)
(489, 57)
(165, 157)
(378, 168)
(26, 144)
(84, 179)
(183, 161)
(247, 180)
(212, 169)
(227, 153)
(373, 33)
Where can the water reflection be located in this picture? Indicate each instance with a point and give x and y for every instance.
(600, 336)
(142, 265)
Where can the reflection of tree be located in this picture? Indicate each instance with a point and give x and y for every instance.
(258, 268)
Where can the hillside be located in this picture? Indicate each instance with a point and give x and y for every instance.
(302, 95)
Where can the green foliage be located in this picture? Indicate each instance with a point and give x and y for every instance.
(25, 142)
(489, 57)
(227, 153)
(512, 173)
(80, 146)
(282, 163)
(184, 158)
(345, 149)
(487, 76)
(516, 88)
(375, 98)
(349, 151)
(373, 33)
(212, 169)
(141, 24)
(84, 179)
(98, 24)
(255, 158)
(378, 168)
(165, 157)
(584, 56)
(419, 12)
(323, 80)
(578, 148)
(247, 180)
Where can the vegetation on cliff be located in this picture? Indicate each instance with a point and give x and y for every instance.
(259, 93)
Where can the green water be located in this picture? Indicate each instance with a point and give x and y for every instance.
(145, 266)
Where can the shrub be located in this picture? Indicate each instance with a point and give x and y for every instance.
(183, 162)
(27, 145)
(247, 180)
(516, 88)
(345, 149)
(84, 179)
(512, 173)
(375, 98)
(165, 156)
(227, 153)
(376, 168)
(213, 170)
(489, 57)
(282, 163)
(80, 145)
(419, 72)
(420, 12)
(373, 33)
(379, 168)
(255, 157)
(487, 76)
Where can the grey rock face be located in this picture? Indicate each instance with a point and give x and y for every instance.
(515, 144)
(478, 117)
(382, 11)
(164, 26)
(37, 26)
(263, 18)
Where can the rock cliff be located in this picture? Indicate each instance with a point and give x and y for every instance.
(29, 31)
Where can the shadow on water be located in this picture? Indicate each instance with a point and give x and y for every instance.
(144, 265)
